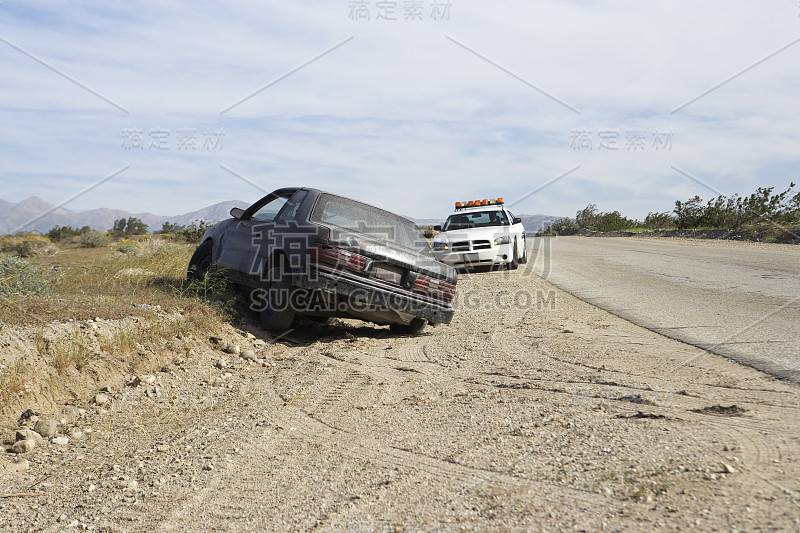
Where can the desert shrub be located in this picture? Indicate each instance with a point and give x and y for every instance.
(563, 226)
(586, 218)
(128, 246)
(734, 212)
(194, 231)
(93, 239)
(428, 233)
(28, 245)
(63, 233)
(659, 221)
(129, 226)
(590, 218)
(613, 221)
(128, 249)
(19, 277)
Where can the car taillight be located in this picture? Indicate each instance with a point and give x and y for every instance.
(338, 257)
(434, 287)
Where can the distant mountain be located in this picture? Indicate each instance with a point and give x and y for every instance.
(34, 214)
(534, 223)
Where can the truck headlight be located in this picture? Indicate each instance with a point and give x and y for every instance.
(501, 240)
(440, 246)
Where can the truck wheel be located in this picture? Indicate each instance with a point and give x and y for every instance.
(200, 263)
(415, 327)
(514, 263)
(277, 315)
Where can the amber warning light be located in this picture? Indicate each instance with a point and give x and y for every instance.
(478, 203)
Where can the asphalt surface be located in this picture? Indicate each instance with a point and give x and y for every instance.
(739, 300)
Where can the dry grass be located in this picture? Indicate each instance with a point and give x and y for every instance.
(12, 380)
(72, 350)
(89, 282)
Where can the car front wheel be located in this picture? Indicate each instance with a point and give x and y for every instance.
(200, 263)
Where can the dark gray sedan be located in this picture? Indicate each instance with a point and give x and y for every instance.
(306, 252)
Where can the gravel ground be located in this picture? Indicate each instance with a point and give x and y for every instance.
(533, 411)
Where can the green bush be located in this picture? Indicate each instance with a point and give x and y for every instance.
(734, 212)
(62, 233)
(563, 226)
(659, 221)
(19, 277)
(93, 239)
(129, 249)
(129, 226)
(194, 231)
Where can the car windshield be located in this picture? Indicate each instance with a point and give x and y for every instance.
(355, 216)
(476, 219)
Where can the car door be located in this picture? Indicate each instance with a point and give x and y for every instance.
(237, 242)
(518, 232)
(273, 227)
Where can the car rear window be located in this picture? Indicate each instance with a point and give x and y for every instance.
(358, 217)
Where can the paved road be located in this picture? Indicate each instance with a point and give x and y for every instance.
(740, 300)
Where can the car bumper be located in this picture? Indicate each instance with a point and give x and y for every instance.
(496, 255)
(364, 300)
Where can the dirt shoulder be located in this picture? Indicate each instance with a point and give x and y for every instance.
(532, 411)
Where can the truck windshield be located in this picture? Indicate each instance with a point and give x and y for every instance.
(358, 217)
(476, 219)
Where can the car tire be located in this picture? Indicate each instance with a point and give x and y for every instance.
(514, 263)
(277, 314)
(415, 327)
(200, 263)
(524, 258)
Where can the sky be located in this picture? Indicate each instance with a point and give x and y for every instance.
(411, 105)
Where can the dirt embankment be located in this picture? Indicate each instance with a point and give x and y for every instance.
(532, 411)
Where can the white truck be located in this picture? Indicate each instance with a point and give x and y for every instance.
(481, 233)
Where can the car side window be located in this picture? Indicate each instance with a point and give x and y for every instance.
(289, 211)
(268, 211)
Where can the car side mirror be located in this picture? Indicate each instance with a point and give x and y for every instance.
(237, 213)
(517, 220)
(437, 228)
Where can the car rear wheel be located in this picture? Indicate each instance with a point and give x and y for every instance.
(277, 314)
(524, 258)
(514, 263)
(415, 327)
(200, 263)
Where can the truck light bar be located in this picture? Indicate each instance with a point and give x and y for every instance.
(478, 203)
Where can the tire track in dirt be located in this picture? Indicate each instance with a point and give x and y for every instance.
(409, 363)
(757, 453)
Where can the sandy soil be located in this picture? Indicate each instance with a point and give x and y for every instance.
(533, 411)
